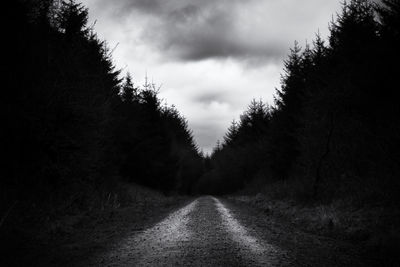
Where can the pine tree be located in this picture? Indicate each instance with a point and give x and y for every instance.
(289, 104)
(232, 133)
(72, 19)
(128, 92)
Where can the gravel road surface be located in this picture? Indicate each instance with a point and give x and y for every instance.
(216, 232)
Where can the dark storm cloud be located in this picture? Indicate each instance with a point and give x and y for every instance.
(208, 97)
(195, 30)
(246, 40)
(145, 5)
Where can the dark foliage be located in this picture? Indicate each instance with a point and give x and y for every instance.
(56, 98)
(237, 160)
(155, 146)
(335, 123)
(71, 126)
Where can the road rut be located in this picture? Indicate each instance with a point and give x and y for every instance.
(216, 232)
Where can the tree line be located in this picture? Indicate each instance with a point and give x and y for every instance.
(72, 126)
(333, 128)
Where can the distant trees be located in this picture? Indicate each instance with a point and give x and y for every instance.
(335, 122)
(238, 159)
(155, 145)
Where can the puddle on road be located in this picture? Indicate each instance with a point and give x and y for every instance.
(253, 247)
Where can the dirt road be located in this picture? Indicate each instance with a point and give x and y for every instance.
(217, 232)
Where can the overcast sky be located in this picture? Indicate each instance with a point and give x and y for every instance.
(212, 57)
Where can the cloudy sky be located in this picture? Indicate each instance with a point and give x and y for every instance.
(212, 57)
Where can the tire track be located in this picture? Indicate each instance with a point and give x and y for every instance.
(203, 233)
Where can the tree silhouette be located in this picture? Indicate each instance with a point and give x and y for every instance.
(335, 123)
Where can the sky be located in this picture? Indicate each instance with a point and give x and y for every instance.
(210, 57)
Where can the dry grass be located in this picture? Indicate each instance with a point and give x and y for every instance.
(372, 225)
(87, 224)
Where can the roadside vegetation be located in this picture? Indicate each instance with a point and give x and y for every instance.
(325, 154)
(79, 137)
(82, 139)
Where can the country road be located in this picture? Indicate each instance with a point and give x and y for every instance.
(216, 232)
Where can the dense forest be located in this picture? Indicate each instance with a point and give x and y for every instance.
(75, 127)
(333, 130)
